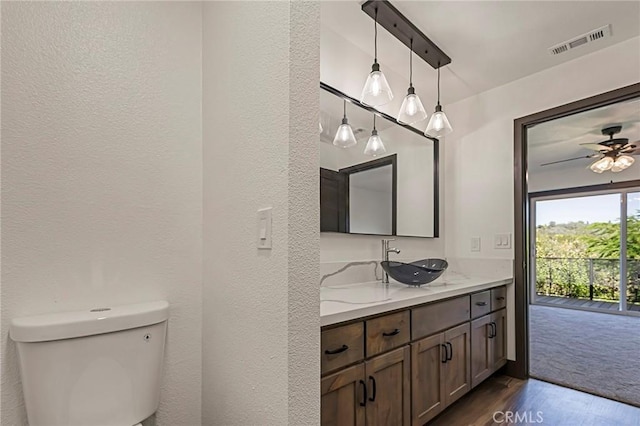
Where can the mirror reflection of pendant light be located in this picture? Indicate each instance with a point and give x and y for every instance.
(438, 124)
(412, 109)
(376, 90)
(344, 136)
(374, 146)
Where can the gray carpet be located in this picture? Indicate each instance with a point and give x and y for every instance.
(594, 352)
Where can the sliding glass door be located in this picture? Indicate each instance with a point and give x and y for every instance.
(585, 250)
(631, 233)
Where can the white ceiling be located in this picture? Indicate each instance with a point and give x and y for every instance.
(490, 43)
(561, 138)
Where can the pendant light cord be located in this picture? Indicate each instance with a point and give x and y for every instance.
(411, 64)
(374, 122)
(345, 108)
(375, 37)
(438, 83)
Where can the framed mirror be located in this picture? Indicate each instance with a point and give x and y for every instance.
(392, 193)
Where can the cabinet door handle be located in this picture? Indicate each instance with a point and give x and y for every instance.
(364, 393)
(445, 354)
(490, 335)
(481, 303)
(493, 330)
(500, 298)
(336, 351)
(391, 333)
(450, 357)
(373, 383)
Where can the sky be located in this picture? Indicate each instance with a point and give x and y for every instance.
(595, 208)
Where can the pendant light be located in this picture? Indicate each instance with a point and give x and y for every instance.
(344, 136)
(412, 109)
(376, 90)
(438, 124)
(374, 146)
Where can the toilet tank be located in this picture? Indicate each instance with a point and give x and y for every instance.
(97, 367)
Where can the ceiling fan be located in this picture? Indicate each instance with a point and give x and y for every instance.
(613, 154)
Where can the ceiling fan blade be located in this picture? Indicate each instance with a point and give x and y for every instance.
(570, 159)
(595, 146)
(631, 148)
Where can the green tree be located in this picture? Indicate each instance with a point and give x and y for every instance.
(603, 239)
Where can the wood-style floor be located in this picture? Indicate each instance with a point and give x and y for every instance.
(537, 402)
(569, 302)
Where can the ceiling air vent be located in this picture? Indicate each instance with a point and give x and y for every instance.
(593, 35)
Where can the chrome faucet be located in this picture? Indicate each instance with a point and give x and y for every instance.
(385, 256)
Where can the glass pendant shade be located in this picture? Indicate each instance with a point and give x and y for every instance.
(412, 109)
(320, 127)
(622, 163)
(438, 124)
(602, 165)
(376, 89)
(374, 146)
(344, 136)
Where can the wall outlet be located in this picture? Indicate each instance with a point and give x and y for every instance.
(475, 244)
(264, 228)
(502, 241)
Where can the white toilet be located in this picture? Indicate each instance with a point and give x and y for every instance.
(99, 367)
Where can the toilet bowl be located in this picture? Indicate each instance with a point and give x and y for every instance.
(96, 367)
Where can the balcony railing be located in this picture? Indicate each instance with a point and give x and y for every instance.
(593, 279)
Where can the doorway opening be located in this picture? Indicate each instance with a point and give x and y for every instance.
(577, 271)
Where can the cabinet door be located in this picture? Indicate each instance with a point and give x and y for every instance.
(388, 386)
(343, 398)
(457, 371)
(427, 384)
(481, 350)
(499, 342)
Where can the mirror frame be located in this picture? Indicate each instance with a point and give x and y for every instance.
(436, 159)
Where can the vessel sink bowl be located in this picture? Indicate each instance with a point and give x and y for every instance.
(415, 273)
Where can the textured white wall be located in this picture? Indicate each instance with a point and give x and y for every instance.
(102, 174)
(479, 153)
(261, 312)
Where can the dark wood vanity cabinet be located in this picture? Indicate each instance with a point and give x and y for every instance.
(488, 345)
(377, 389)
(343, 397)
(406, 367)
(388, 380)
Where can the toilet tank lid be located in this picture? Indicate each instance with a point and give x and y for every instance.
(99, 320)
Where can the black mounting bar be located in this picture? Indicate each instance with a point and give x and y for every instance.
(401, 28)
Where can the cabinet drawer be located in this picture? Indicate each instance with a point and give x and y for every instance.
(480, 304)
(387, 332)
(341, 346)
(498, 298)
(438, 316)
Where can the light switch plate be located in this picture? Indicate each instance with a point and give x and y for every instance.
(502, 241)
(264, 228)
(475, 244)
